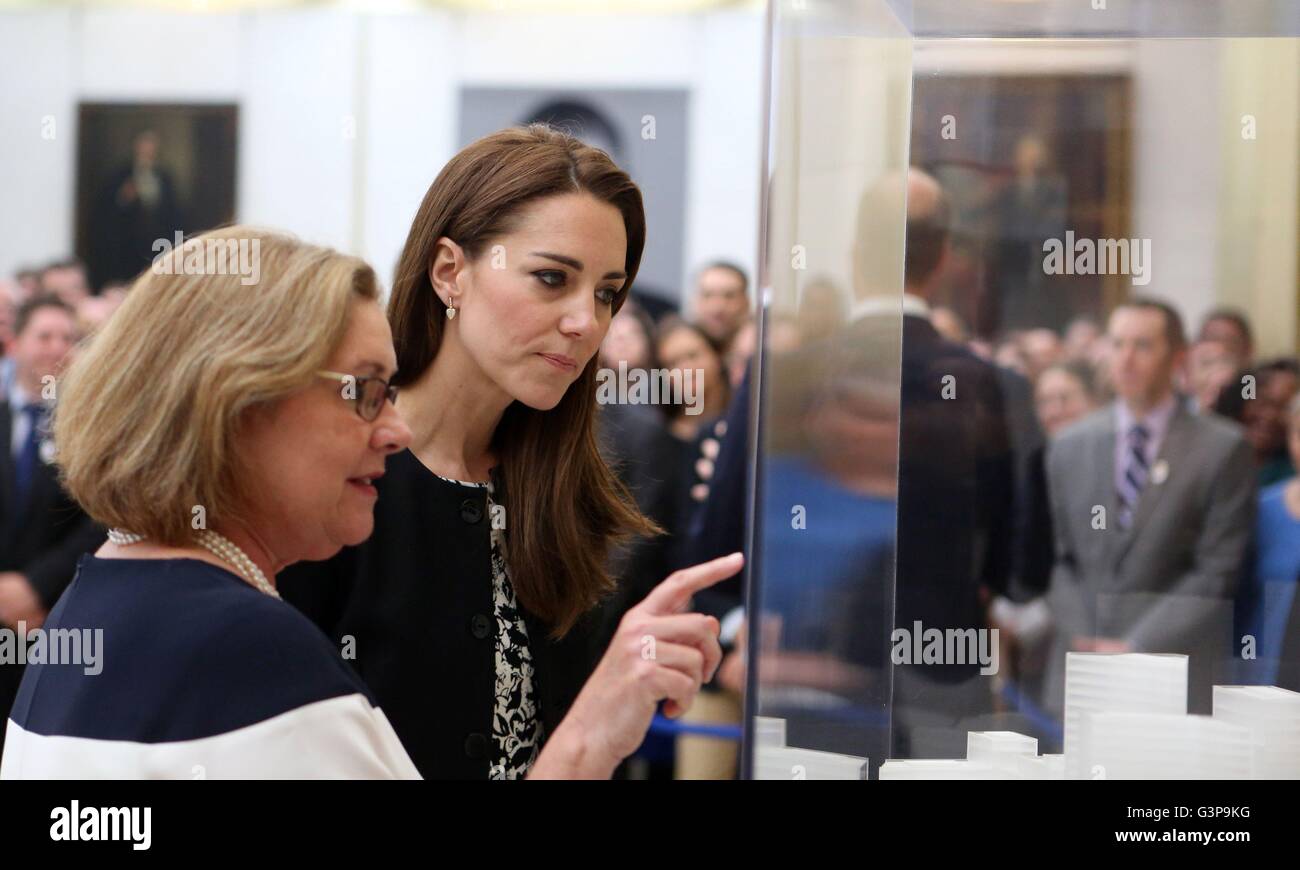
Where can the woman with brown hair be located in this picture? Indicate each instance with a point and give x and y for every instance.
(472, 612)
(692, 359)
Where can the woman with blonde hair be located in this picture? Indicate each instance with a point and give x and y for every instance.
(224, 424)
(205, 425)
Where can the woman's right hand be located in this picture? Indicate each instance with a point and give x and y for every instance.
(658, 653)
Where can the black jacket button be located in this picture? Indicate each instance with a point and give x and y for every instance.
(480, 626)
(476, 746)
(470, 511)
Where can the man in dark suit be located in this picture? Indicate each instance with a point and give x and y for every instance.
(42, 531)
(721, 306)
(954, 472)
(1152, 508)
(955, 494)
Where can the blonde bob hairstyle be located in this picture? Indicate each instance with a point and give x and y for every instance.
(148, 414)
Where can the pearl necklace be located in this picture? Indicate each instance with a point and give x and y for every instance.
(218, 545)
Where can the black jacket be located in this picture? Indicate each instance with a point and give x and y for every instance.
(635, 443)
(717, 528)
(955, 487)
(41, 538)
(413, 605)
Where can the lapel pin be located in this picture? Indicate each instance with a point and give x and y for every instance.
(1160, 472)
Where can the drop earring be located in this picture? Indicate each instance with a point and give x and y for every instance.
(451, 312)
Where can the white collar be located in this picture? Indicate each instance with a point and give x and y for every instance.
(875, 306)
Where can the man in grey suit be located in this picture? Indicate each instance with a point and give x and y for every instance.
(1154, 507)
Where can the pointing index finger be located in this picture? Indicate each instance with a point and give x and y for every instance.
(673, 594)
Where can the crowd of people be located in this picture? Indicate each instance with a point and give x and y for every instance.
(1247, 507)
(405, 482)
(1119, 486)
(44, 313)
(1216, 374)
(1188, 446)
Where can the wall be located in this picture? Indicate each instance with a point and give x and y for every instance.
(347, 117)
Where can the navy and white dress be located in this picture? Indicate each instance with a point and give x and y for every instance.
(200, 676)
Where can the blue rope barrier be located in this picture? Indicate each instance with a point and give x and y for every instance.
(1045, 722)
(662, 726)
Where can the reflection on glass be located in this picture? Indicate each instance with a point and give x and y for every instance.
(1027, 386)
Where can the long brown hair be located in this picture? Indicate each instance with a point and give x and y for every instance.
(565, 507)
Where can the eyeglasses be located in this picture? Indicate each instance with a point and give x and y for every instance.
(367, 393)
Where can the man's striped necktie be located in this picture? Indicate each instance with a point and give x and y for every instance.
(1135, 475)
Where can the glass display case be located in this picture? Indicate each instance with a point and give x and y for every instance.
(1021, 502)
